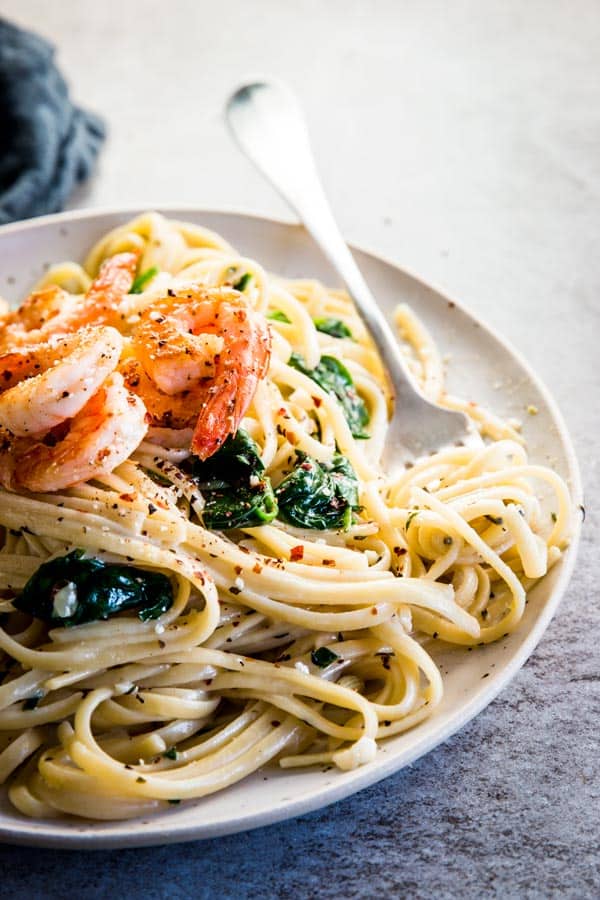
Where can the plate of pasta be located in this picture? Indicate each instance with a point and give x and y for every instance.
(217, 611)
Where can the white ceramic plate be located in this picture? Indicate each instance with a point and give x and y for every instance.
(480, 360)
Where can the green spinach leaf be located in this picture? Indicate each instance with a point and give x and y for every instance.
(242, 283)
(278, 315)
(71, 590)
(235, 489)
(237, 459)
(233, 507)
(335, 378)
(319, 495)
(323, 657)
(334, 327)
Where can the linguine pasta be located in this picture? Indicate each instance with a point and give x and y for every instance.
(283, 643)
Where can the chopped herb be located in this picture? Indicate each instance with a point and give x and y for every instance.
(171, 753)
(334, 327)
(278, 315)
(101, 590)
(334, 377)
(323, 657)
(319, 495)
(242, 283)
(143, 280)
(236, 491)
(553, 516)
(410, 517)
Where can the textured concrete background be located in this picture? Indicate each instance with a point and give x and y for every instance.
(462, 140)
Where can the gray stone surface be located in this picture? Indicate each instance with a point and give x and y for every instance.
(462, 140)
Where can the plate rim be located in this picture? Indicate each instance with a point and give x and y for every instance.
(30, 834)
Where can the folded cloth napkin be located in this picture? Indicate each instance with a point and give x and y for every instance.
(47, 145)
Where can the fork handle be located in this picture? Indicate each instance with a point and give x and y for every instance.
(268, 124)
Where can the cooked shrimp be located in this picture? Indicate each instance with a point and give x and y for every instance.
(102, 301)
(45, 384)
(170, 411)
(101, 436)
(43, 313)
(199, 355)
(53, 311)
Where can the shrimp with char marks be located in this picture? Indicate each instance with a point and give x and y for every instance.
(197, 358)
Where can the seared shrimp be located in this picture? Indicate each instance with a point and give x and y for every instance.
(199, 355)
(45, 384)
(97, 439)
(176, 411)
(53, 311)
(102, 301)
(43, 313)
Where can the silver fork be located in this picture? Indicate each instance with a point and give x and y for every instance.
(268, 124)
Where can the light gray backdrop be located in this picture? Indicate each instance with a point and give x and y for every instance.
(461, 139)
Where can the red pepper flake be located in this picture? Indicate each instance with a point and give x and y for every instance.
(275, 723)
(374, 610)
(317, 401)
(257, 568)
(297, 553)
(328, 562)
(399, 551)
(237, 570)
(128, 497)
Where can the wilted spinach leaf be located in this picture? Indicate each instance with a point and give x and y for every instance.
(335, 378)
(319, 495)
(235, 489)
(238, 458)
(95, 590)
(334, 327)
(278, 315)
(242, 283)
(323, 657)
